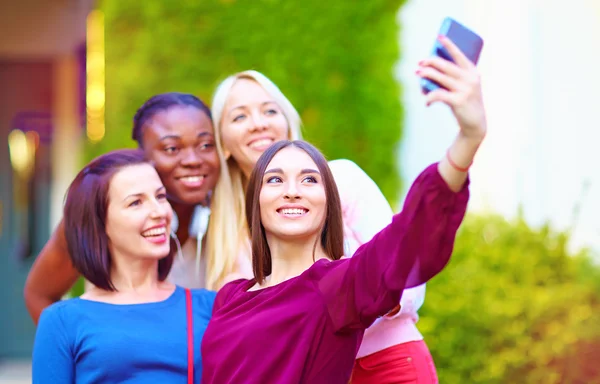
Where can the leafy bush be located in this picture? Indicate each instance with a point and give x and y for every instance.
(334, 60)
(513, 306)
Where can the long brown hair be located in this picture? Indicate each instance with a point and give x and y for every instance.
(332, 232)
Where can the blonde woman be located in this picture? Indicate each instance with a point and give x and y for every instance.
(250, 113)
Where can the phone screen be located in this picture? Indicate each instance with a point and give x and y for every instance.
(466, 40)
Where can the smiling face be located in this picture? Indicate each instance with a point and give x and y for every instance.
(251, 122)
(138, 218)
(180, 143)
(292, 199)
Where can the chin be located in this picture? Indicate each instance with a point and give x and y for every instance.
(159, 254)
(297, 234)
(155, 251)
(193, 198)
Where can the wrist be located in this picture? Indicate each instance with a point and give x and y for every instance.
(471, 141)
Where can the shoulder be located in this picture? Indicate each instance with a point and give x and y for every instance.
(233, 287)
(63, 307)
(204, 297)
(349, 177)
(229, 290)
(344, 169)
(63, 314)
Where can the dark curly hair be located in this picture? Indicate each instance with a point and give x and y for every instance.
(162, 102)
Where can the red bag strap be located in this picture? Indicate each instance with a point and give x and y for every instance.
(190, 335)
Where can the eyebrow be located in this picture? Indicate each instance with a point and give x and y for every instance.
(245, 106)
(302, 172)
(141, 194)
(177, 137)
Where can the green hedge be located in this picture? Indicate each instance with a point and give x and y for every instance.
(333, 59)
(513, 306)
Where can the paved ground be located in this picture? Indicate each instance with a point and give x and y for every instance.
(15, 371)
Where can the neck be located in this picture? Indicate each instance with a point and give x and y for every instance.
(245, 177)
(137, 275)
(291, 258)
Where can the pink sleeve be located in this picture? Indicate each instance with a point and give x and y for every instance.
(411, 250)
(364, 208)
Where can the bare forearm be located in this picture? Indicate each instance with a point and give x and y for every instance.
(44, 289)
(50, 277)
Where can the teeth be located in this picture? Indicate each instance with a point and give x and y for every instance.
(293, 211)
(261, 143)
(155, 232)
(192, 179)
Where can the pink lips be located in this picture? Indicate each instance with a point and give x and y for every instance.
(157, 239)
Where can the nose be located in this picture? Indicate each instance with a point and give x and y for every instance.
(190, 158)
(259, 123)
(160, 210)
(291, 192)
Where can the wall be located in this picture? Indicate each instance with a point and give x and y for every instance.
(540, 74)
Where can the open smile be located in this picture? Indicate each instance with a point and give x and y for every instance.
(156, 235)
(292, 212)
(261, 144)
(192, 181)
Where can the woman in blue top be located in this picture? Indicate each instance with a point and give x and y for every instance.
(132, 326)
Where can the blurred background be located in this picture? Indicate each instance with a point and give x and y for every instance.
(520, 300)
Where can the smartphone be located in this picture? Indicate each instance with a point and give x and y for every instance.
(466, 40)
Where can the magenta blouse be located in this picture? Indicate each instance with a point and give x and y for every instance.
(308, 329)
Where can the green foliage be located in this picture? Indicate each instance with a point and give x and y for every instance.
(513, 306)
(334, 61)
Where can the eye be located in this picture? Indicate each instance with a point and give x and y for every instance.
(271, 112)
(310, 179)
(135, 203)
(171, 150)
(274, 179)
(161, 196)
(239, 118)
(205, 146)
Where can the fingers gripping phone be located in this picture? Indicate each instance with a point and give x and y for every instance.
(466, 40)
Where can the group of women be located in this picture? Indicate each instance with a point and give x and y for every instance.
(227, 250)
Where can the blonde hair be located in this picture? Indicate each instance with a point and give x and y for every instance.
(230, 234)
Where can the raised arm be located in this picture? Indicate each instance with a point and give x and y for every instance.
(53, 360)
(418, 243)
(365, 212)
(407, 253)
(51, 276)
(462, 94)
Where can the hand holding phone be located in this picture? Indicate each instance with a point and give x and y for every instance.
(451, 78)
(466, 40)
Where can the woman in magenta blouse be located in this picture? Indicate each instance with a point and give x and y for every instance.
(303, 315)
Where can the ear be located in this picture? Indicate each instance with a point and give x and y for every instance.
(226, 154)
